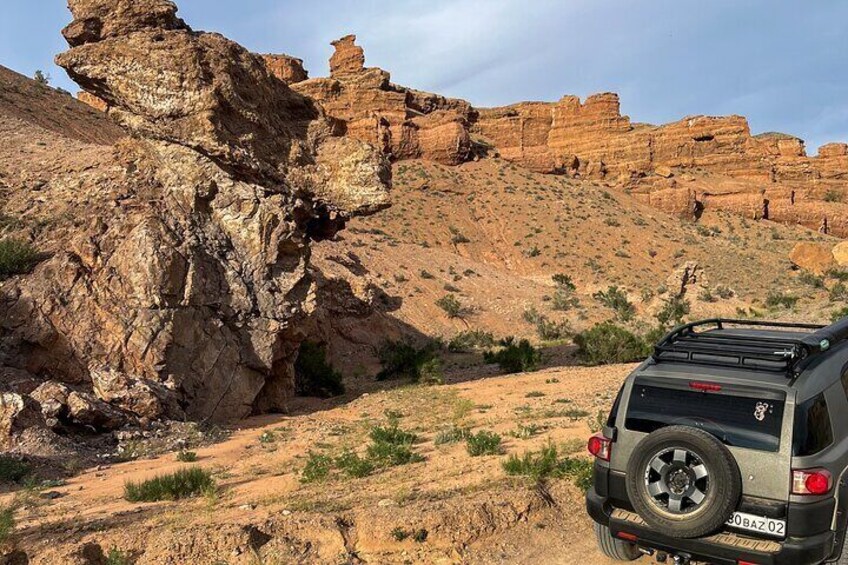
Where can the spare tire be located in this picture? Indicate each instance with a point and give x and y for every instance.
(683, 482)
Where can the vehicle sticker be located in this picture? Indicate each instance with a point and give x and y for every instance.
(761, 410)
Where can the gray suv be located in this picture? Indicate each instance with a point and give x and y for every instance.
(729, 445)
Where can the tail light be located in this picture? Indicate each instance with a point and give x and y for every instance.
(811, 482)
(600, 447)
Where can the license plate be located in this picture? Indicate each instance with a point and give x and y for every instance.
(751, 523)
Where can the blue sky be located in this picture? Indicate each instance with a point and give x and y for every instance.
(783, 64)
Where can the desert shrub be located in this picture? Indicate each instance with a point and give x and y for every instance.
(564, 300)
(353, 465)
(839, 314)
(314, 374)
(832, 195)
(707, 295)
(392, 434)
(673, 311)
(607, 343)
(426, 275)
(317, 468)
(547, 463)
(431, 373)
(776, 300)
(838, 274)
(483, 443)
(546, 329)
(399, 534)
(117, 557)
(452, 435)
(525, 431)
(457, 237)
(723, 292)
(615, 299)
(41, 77)
(13, 470)
(7, 523)
(471, 340)
(515, 357)
(838, 292)
(392, 446)
(16, 257)
(808, 278)
(185, 483)
(564, 282)
(186, 456)
(403, 359)
(452, 307)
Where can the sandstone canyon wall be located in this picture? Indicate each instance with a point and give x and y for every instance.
(183, 286)
(716, 159)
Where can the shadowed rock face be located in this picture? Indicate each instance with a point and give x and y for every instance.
(191, 292)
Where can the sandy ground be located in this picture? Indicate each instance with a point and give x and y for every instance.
(263, 513)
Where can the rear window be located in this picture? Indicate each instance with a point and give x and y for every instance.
(743, 420)
(813, 431)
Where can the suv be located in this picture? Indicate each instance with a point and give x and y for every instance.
(729, 445)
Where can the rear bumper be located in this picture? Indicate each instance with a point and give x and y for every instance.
(810, 550)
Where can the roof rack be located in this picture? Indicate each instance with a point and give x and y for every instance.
(698, 343)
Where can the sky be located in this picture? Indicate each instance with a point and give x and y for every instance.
(781, 63)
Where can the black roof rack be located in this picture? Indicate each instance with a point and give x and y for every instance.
(779, 351)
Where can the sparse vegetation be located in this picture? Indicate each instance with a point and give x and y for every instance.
(16, 257)
(186, 456)
(41, 77)
(13, 470)
(839, 314)
(608, 343)
(392, 446)
(353, 465)
(515, 357)
(404, 359)
(564, 282)
(471, 340)
(452, 435)
(673, 311)
(315, 376)
(317, 468)
(452, 307)
(547, 463)
(185, 483)
(7, 523)
(615, 299)
(776, 300)
(483, 443)
(117, 557)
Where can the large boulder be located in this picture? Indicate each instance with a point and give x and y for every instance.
(840, 253)
(52, 398)
(86, 410)
(18, 413)
(813, 257)
(186, 278)
(143, 398)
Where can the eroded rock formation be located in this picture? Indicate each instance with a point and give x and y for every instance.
(187, 288)
(403, 123)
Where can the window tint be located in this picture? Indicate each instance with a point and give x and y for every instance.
(614, 412)
(813, 431)
(740, 421)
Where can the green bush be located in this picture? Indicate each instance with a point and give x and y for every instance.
(607, 343)
(564, 282)
(185, 483)
(353, 465)
(186, 456)
(16, 257)
(117, 557)
(547, 463)
(839, 314)
(615, 299)
(317, 468)
(564, 300)
(838, 292)
(13, 470)
(315, 375)
(7, 523)
(451, 306)
(431, 372)
(673, 311)
(392, 446)
(471, 340)
(776, 300)
(515, 357)
(452, 435)
(392, 434)
(403, 359)
(483, 443)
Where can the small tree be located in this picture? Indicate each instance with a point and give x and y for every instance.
(42, 78)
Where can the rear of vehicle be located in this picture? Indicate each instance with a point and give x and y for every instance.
(717, 450)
